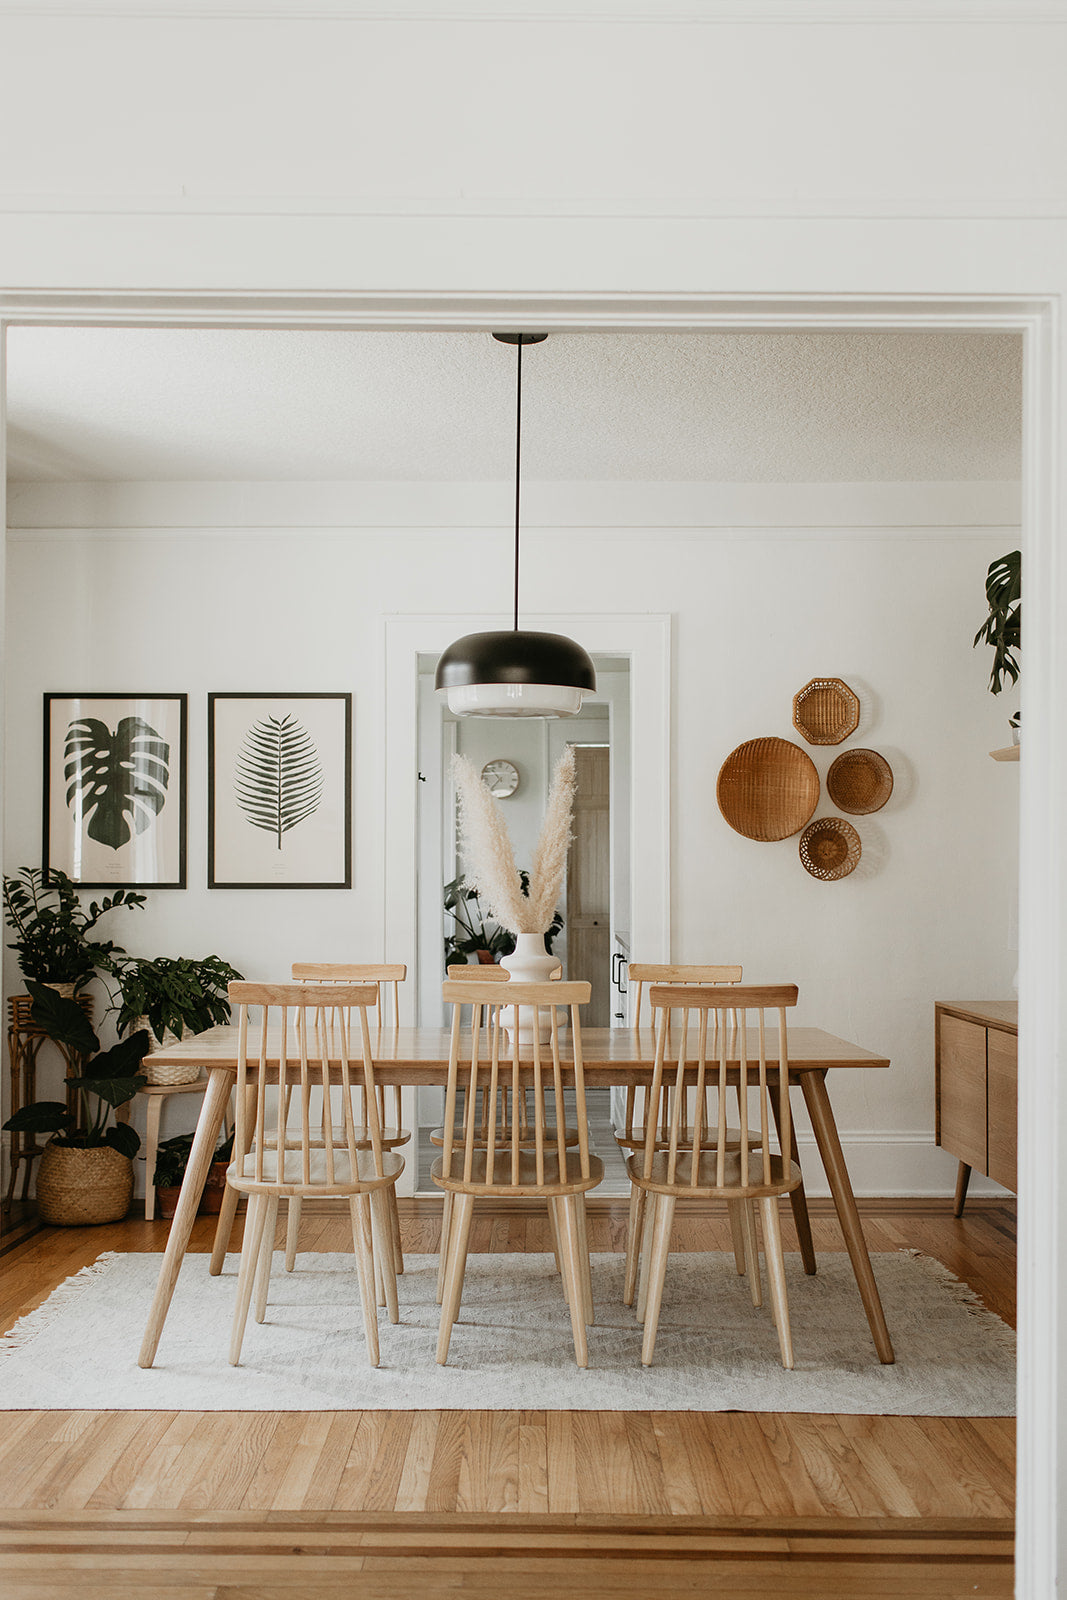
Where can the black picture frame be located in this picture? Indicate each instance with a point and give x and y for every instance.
(279, 790)
(114, 792)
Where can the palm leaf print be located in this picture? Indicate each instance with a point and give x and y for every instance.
(117, 780)
(277, 775)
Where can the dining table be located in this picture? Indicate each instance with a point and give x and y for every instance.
(612, 1057)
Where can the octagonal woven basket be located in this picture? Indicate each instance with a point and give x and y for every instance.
(826, 711)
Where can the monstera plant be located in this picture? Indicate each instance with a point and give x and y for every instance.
(118, 781)
(51, 924)
(278, 777)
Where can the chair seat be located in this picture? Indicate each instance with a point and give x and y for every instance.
(570, 1181)
(292, 1176)
(785, 1176)
(391, 1137)
(503, 1136)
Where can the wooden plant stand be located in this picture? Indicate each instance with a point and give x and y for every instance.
(24, 1040)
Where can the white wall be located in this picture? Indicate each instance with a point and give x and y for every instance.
(758, 611)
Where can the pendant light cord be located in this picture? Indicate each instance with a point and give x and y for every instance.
(518, 452)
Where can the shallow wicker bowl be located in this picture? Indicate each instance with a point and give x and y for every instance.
(767, 788)
(860, 781)
(77, 1188)
(830, 848)
(826, 711)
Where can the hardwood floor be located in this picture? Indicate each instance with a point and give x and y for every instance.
(213, 1505)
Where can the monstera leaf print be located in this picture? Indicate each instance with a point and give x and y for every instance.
(117, 780)
(277, 775)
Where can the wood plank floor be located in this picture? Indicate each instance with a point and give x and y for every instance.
(524, 1503)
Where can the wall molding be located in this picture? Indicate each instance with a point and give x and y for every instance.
(619, 13)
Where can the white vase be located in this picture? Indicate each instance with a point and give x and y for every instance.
(529, 962)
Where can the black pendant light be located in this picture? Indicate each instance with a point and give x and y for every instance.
(514, 673)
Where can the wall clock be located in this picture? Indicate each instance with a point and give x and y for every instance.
(501, 778)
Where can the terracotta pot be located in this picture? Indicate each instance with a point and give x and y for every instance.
(214, 1189)
(167, 1200)
(486, 958)
(77, 1188)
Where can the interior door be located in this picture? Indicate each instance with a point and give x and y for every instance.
(589, 882)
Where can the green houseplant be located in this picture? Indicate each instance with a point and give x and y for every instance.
(86, 1169)
(172, 1158)
(52, 923)
(1002, 628)
(474, 932)
(175, 992)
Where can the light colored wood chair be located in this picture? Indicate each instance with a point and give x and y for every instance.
(631, 1135)
(707, 1160)
(271, 1162)
(510, 1166)
(386, 977)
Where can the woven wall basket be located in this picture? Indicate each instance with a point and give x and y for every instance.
(860, 781)
(826, 711)
(79, 1187)
(830, 849)
(767, 788)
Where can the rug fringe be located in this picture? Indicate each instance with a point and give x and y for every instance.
(1002, 1335)
(39, 1320)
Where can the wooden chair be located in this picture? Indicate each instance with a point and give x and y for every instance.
(631, 1136)
(545, 1167)
(384, 976)
(707, 1160)
(270, 1163)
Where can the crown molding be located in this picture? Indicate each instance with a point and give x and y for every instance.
(658, 13)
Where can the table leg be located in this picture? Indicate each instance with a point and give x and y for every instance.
(204, 1141)
(825, 1129)
(151, 1143)
(798, 1199)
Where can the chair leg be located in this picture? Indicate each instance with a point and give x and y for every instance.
(584, 1264)
(748, 1228)
(359, 1206)
(557, 1248)
(737, 1233)
(633, 1242)
(151, 1147)
(459, 1234)
(228, 1211)
(253, 1238)
(384, 1260)
(645, 1247)
(442, 1248)
(292, 1230)
(266, 1257)
(772, 1245)
(570, 1248)
(398, 1247)
(659, 1251)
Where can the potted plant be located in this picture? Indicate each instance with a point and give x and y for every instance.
(476, 934)
(1002, 628)
(172, 1158)
(52, 924)
(167, 995)
(86, 1169)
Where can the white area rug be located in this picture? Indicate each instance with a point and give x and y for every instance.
(512, 1347)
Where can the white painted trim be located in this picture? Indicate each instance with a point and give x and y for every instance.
(683, 13)
(1043, 769)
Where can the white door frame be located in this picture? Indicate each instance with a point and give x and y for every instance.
(1041, 1481)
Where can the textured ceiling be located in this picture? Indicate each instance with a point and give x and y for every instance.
(98, 404)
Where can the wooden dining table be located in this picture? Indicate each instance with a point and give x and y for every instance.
(612, 1057)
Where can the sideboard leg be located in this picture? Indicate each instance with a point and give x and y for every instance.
(963, 1178)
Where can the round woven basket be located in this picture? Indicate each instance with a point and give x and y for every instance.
(830, 848)
(78, 1187)
(860, 781)
(767, 788)
(164, 1077)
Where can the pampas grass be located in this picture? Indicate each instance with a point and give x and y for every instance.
(490, 860)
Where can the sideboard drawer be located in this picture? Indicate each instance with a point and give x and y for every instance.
(1002, 1094)
(963, 1091)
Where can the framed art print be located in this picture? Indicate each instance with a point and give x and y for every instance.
(114, 789)
(279, 791)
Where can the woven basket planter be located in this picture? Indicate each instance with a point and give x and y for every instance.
(76, 1188)
(166, 1076)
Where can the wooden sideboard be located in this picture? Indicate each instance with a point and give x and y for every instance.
(976, 1087)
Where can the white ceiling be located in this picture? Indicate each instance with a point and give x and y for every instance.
(173, 404)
